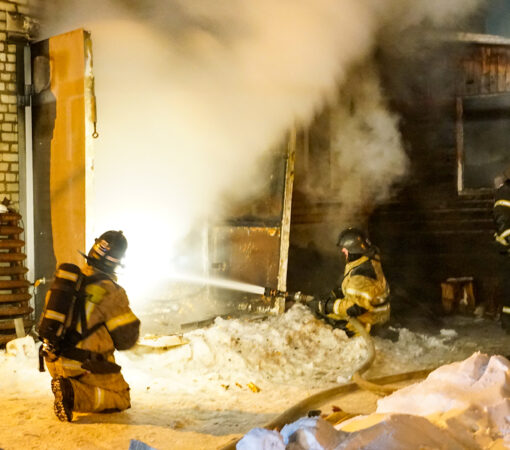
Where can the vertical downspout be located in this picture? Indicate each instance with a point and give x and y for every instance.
(26, 170)
(286, 216)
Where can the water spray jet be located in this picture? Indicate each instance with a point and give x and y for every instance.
(220, 282)
(243, 287)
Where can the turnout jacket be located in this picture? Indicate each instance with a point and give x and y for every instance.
(502, 213)
(365, 292)
(117, 328)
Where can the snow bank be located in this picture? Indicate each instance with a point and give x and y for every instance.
(293, 348)
(467, 401)
(21, 348)
(477, 381)
(261, 439)
(471, 396)
(398, 432)
(460, 405)
(196, 395)
(415, 350)
(19, 367)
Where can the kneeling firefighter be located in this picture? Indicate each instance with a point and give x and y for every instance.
(363, 293)
(78, 347)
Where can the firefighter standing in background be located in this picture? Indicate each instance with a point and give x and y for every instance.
(363, 293)
(85, 377)
(502, 236)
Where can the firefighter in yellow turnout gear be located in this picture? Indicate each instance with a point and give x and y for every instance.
(85, 377)
(363, 293)
(502, 237)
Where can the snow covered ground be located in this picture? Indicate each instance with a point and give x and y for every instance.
(462, 405)
(197, 396)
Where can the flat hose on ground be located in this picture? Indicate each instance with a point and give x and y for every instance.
(315, 401)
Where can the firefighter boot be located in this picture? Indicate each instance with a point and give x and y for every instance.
(64, 398)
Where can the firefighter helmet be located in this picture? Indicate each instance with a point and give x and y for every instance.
(108, 250)
(354, 241)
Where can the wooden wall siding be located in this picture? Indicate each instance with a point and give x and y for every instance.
(484, 70)
(428, 232)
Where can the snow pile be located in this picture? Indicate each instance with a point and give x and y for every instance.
(313, 433)
(21, 348)
(472, 395)
(467, 401)
(19, 367)
(399, 432)
(479, 380)
(461, 405)
(415, 350)
(261, 439)
(292, 348)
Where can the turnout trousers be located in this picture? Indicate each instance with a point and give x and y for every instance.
(92, 392)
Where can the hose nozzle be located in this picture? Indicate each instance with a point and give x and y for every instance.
(269, 292)
(298, 297)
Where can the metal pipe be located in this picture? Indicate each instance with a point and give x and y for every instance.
(26, 176)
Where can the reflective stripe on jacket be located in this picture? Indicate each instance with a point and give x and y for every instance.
(365, 292)
(502, 213)
(106, 302)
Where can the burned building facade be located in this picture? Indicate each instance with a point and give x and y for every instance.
(435, 224)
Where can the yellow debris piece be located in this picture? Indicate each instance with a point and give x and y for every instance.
(253, 387)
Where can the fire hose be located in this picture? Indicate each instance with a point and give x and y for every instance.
(357, 377)
(299, 297)
(380, 386)
(315, 401)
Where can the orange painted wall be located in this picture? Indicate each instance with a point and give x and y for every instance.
(67, 173)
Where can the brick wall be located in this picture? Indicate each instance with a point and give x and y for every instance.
(9, 149)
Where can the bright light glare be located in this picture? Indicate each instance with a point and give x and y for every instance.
(151, 251)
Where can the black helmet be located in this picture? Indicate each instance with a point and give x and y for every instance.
(108, 250)
(354, 241)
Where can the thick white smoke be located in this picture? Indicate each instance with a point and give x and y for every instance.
(366, 157)
(367, 152)
(190, 95)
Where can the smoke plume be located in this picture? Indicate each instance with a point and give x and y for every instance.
(191, 95)
(366, 147)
